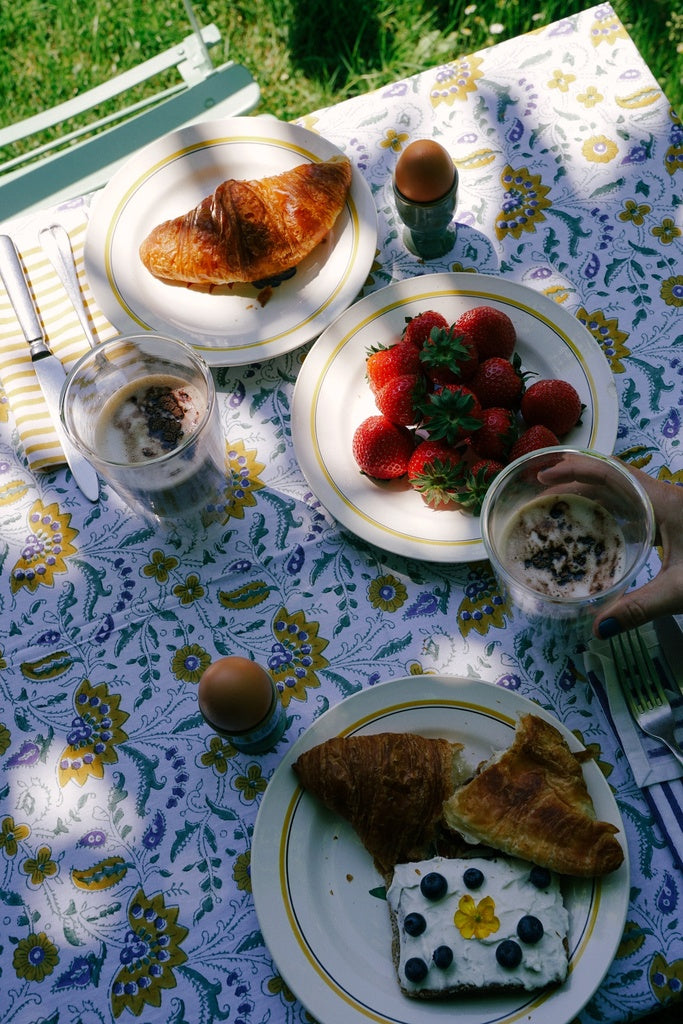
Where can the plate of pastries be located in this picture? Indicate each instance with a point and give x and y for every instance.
(440, 846)
(244, 237)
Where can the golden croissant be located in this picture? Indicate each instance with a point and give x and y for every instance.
(390, 787)
(250, 230)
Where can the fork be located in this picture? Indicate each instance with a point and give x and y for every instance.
(643, 690)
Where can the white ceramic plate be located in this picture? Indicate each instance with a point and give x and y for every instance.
(332, 397)
(315, 887)
(228, 324)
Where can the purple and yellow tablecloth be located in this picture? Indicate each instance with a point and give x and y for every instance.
(125, 823)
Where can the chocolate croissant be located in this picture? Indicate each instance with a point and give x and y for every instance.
(250, 230)
(390, 787)
(532, 802)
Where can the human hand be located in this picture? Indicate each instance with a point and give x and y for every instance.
(663, 595)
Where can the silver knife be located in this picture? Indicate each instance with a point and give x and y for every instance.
(669, 630)
(57, 247)
(48, 368)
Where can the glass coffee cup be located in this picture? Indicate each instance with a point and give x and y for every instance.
(142, 409)
(566, 531)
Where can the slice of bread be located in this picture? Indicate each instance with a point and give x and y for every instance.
(476, 925)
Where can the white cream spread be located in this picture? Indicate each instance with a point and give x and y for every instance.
(509, 896)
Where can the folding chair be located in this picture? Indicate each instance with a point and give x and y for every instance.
(72, 165)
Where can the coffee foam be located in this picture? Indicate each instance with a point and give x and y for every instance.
(148, 418)
(564, 546)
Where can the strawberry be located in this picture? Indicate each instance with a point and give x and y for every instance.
(381, 449)
(435, 470)
(398, 399)
(531, 439)
(383, 364)
(496, 435)
(493, 331)
(499, 382)
(451, 413)
(418, 328)
(476, 483)
(552, 403)
(448, 357)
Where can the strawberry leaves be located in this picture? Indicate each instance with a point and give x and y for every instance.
(448, 356)
(451, 413)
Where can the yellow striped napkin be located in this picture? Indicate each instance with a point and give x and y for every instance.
(62, 329)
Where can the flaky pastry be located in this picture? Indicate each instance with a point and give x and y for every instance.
(248, 231)
(532, 802)
(390, 787)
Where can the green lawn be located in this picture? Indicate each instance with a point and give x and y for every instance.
(304, 53)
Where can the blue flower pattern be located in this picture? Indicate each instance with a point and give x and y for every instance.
(170, 926)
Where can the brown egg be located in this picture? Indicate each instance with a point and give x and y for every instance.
(424, 172)
(235, 694)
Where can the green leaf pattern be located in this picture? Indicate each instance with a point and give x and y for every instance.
(139, 899)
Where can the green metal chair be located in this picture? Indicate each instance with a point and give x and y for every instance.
(72, 165)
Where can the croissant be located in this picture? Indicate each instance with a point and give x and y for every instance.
(390, 787)
(250, 230)
(533, 802)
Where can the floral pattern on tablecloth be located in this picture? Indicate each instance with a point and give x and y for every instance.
(125, 822)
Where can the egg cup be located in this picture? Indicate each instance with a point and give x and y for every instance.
(427, 232)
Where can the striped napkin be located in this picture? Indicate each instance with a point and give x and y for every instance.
(62, 329)
(656, 771)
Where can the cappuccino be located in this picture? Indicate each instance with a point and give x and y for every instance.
(147, 418)
(140, 429)
(564, 546)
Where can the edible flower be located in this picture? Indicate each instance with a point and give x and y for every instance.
(476, 920)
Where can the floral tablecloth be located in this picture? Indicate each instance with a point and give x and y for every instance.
(125, 823)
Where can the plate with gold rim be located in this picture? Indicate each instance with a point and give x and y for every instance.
(236, 324)
(320, 902)
(332, 398)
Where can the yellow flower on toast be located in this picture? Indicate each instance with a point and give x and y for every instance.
(476, 920)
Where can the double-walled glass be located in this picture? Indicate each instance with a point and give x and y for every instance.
(558, 474)
(142, 408)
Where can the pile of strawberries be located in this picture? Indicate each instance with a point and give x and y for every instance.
(454, 407)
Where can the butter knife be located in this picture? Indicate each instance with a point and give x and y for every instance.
(57, 247)
(669, 630)
(48, 368)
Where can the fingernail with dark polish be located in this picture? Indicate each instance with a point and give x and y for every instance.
(608, 628)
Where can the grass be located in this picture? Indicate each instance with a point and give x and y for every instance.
(305, 53)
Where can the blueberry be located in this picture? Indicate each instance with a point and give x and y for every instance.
(509, 953)
(529, 929)
(473, 878)
(414, 924)
(540, 877)
(416, 969)
(443, 957)
(433, 886)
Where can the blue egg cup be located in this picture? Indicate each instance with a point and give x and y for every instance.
(428, 232)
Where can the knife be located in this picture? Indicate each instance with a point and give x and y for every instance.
(57, 247)
(669, 630)
(49, 371)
